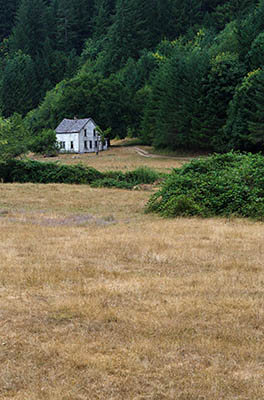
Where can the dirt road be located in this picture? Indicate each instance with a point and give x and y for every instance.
(145, 153)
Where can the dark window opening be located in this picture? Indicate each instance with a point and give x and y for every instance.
(85, 132)
(91, 144)
(72, 147)
(85, 144)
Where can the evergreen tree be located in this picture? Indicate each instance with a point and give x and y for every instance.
(19, 86)
(248, 29)
(156, 92)
(31, 29)
(136, 74)
(74, 23)
(256, 53)
(7, 17)
(244, 129)
(217, 89)
(175, 104)
(103, 12)
(136, 26)
(256, 115)
(226, 11)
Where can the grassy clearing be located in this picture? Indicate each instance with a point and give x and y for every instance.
(118, 158)
(101, 301)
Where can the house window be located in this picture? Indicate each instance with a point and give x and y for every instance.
(91, 144)
(85, 144)
(72, 147)
(95, 143)
(94, 131)
(85, 132)
(62, 145)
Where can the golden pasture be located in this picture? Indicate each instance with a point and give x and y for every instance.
(101, 301)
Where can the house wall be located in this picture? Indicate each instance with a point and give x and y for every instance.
(89, 138)
(67, 138)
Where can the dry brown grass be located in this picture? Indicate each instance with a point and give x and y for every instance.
(100, 301)
(118, 158)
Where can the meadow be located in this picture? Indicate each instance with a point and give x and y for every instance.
(122, 156)
(99, 300)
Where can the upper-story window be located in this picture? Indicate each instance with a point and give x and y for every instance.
(85, 132)
(94, 132)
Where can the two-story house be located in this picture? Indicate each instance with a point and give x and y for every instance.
(79, 136)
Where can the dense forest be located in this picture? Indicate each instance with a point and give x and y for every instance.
(177, 74)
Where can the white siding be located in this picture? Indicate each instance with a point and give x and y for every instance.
(67, 138)
(89, 138)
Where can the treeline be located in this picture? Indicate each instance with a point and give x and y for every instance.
(177, 74)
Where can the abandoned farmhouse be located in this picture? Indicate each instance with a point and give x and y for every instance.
(79, 136)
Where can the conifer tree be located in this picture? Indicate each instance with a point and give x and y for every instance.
(247, 29)
(174, 107)
(19, 86)
(102, 18)
(256, 53)
(74, 23)
(256, 115)
(244, 129)
(217, 89)
(136, 26)
(31, 29)
(7, 17)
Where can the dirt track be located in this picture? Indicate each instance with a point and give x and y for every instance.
(145, 153)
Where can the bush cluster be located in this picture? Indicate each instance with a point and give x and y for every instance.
(230, 184)
(40, 172)
(127, 180)
(23, 171)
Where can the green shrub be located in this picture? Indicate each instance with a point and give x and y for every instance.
(182, 206)
(44, 143)
(129, 179)
(142, 175)
(225, 185)
(41, 172)
(111, 182)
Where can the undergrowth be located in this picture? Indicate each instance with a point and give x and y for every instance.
(230, 184)
(22, 171)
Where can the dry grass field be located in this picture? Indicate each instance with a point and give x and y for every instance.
(119, 158)
(101, 301)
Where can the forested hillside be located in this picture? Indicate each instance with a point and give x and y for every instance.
(178, 74)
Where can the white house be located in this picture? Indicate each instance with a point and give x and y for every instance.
(79, 136)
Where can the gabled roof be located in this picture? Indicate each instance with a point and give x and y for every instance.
(72, 125)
